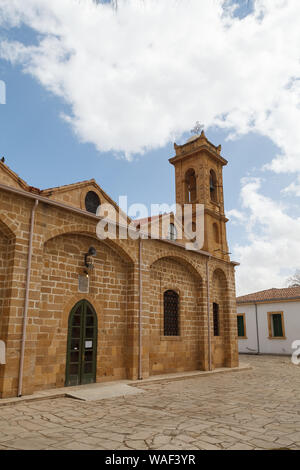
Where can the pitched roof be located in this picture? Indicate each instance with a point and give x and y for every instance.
(60, 189)
(67, 187)
(285, 293)
(146, 220)
(15, 177)
(92, 182)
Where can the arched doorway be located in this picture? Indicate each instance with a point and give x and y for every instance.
(82, 345)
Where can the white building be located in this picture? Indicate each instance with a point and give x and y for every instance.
(269, 321)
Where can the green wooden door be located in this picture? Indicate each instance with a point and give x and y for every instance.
(82, 345)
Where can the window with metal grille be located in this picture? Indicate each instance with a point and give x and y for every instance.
(171, 317)
(92, 202)
(216, 319)
(241, 325)
(277, 329)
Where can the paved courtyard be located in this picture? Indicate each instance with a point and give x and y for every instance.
(256, 409)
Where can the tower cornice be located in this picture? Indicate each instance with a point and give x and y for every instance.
(196, 144)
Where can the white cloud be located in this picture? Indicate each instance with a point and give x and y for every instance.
(137, 79)
(237, 216)
(293, 189)
(140, 78)
(273, 241)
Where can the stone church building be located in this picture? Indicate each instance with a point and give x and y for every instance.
(147, 307)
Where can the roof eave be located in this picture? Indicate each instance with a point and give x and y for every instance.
(280, 299)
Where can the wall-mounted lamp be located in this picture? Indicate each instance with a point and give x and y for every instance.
(92, 252)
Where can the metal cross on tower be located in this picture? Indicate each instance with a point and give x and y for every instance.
(197, 128)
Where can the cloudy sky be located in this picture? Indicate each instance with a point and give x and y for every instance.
(92, 92)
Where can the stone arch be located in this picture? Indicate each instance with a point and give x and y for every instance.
(180, 259)
(220, 322)
(63, 263)
(7, 254)
(220, 275)
(58, 341)
(185, 350)
(72, 228)
(187, 265)
(120, 250)
(90, 231)
(7, 227)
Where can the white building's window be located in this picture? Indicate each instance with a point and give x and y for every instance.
(276, 325)
(241, 325)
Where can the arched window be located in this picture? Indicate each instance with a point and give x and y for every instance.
(216, 319)
(216, 233)
(213, 186)
(190, 186)
(171, 317)
(172, 232)
(191, 228)
(92, 202)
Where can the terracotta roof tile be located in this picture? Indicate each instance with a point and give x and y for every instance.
(148, 219)
(271, 294)
(67, 186)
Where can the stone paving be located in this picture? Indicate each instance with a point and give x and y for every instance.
(256, 409)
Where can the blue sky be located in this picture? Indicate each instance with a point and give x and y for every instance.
(45, 151)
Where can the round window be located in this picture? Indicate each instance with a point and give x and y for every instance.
(92, 202)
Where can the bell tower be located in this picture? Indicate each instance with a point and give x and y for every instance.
(199, 180)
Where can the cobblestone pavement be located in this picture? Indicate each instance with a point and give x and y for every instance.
(256, 409)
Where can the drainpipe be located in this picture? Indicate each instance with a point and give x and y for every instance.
(208, 314)
(140, 377)
(26, 299)
(257, 333)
